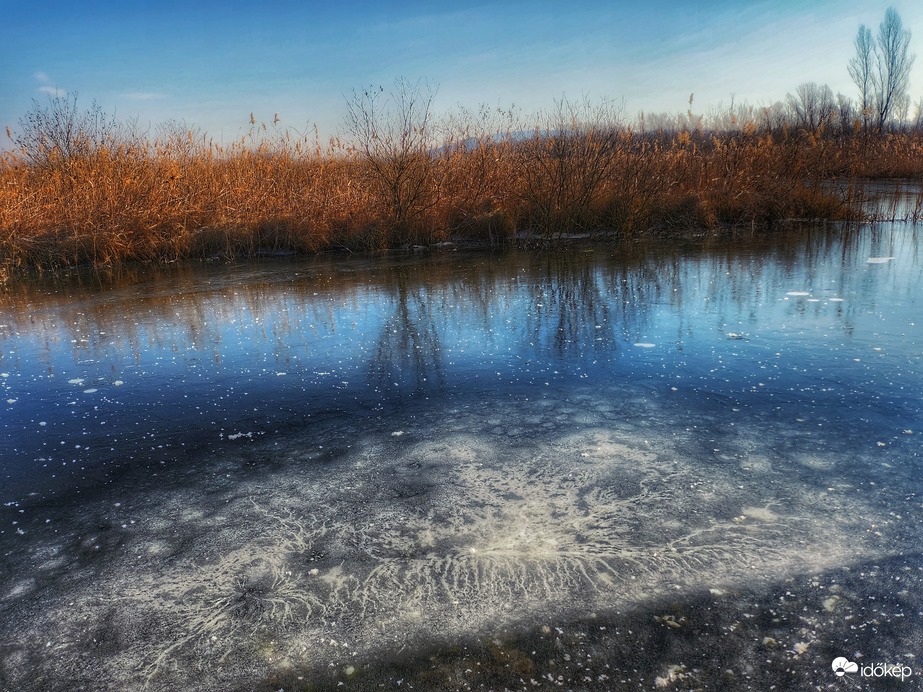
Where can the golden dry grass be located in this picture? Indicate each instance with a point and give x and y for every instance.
(162, 201)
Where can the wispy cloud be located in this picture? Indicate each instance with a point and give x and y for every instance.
(46, 87)
(53, 91)
(143, 96)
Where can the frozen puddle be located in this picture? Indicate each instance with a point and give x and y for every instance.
(400, 541)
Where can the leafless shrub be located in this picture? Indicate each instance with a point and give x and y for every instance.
(812, 107)
(565, 163)
(59, 133)
(394, 140)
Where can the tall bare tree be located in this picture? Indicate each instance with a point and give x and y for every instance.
(862, 71)
(894, 63)
(881, 70)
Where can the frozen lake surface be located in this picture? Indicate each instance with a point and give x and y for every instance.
(586, 470)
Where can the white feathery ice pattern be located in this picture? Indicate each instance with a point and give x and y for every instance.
(402, 542)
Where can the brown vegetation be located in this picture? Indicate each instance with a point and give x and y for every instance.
(106, 197)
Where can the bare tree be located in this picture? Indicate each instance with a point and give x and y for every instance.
(894, 63)
(881, 70)
(861, 69)
(812, 105)
(918, 115)
(662, 122)
(60, 133)
(567, 162)
(845, 112)
(393, 135)
(771, 118)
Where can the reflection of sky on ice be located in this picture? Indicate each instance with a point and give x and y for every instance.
(379, 451)
(204, 351)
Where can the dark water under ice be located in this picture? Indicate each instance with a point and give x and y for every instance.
(451, 470)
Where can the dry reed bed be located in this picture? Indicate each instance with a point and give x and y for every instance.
(155, 201)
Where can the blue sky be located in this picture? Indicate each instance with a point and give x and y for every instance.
(213, 63)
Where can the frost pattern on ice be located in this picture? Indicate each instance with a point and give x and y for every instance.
(403, 541)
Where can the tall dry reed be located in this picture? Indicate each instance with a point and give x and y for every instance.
(482, 175)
